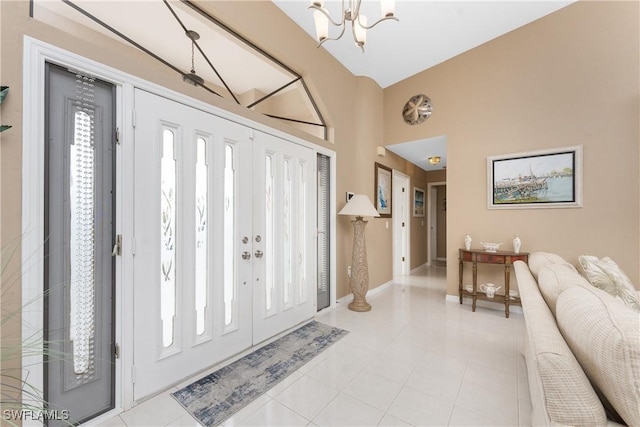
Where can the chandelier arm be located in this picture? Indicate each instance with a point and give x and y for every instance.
(325, 13)
(386, 18)
(353, 32)
(333, 38)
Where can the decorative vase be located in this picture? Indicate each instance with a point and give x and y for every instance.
(516, 244)
(467, 242)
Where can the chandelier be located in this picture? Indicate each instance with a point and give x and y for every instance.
(351, 13)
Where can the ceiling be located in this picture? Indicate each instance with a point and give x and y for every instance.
(427, 33)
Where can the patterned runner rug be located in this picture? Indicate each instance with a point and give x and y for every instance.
(216, 397)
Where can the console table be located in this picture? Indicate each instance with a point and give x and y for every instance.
(479, 256)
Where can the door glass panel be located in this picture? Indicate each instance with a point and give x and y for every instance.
(302, 233)
(229, 236)
(286, 235)
(202, 200)
(168, 237)
(269, 257)
(82, 244)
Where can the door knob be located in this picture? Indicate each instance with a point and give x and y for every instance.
(259, 254)
(246, 255)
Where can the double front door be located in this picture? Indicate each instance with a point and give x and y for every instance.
(224, 254)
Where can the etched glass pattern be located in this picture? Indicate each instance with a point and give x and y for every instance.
(201, 249)
(229, 236)
(82, 242)
(269, 282)
(286, 232)
(302, 233)
(168, 238)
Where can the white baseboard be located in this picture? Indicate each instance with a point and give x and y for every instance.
(485, 304)
(371, 293)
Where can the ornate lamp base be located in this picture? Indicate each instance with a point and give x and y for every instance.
(359, 283)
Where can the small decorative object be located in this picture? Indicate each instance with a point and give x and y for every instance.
(468, 288)
(490, 289)
(467, 242)
(383, 190)
(490, 247)
(359, 206)
(417, 109)
(517, 243)
(513, 294)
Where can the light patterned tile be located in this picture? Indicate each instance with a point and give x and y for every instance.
(418, 408)
(345, 410)
(307, 396)
(274, 413)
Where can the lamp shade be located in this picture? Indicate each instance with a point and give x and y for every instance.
(359, 205)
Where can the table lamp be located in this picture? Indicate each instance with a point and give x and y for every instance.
(359, 206)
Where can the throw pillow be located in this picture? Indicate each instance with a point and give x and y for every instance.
(606, 275)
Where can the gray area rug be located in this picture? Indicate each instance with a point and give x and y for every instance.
(216, 397)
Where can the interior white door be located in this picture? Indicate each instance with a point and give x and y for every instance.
(284, 225)
(401, 218)
(192, 224)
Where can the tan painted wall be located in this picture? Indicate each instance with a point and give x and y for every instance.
(569, 78)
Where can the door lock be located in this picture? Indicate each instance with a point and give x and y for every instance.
(246, 255)
(259, 254)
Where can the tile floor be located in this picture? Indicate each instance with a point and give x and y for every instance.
(414, 359)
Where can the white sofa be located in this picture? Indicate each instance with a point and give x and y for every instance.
(583, 347)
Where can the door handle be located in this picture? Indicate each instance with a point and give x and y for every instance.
(246, 255)
(259, 254)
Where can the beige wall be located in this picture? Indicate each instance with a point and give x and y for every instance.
(569, 78)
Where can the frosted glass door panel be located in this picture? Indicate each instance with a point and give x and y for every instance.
(191, 294)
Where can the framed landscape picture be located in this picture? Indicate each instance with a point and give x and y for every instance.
(540, 179)
(383, 190)
(418, 202)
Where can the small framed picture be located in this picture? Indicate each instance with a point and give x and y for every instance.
(383, 190)
(418, 202)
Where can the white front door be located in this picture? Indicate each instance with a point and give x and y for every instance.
(284, 225)
(218, 216)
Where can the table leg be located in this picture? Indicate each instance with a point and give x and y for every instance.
(507, 275)
(460, 268)
(475, 281)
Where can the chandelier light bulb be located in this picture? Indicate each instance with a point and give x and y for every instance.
(387, 7)
(322, 25)
(359, 30)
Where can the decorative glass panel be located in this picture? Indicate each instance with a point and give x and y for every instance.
(269, 235)
(286, 232)
(82, 244)
(302, 233)
(229, 235)
(202, 200)
(168, 237)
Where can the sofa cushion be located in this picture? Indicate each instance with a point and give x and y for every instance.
(538, 260)
(606, 275)
(555, 279)
(604, 336)
(559, 381)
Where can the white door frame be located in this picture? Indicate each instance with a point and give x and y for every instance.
(431, 220)
(35, 54)
(398, 179)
